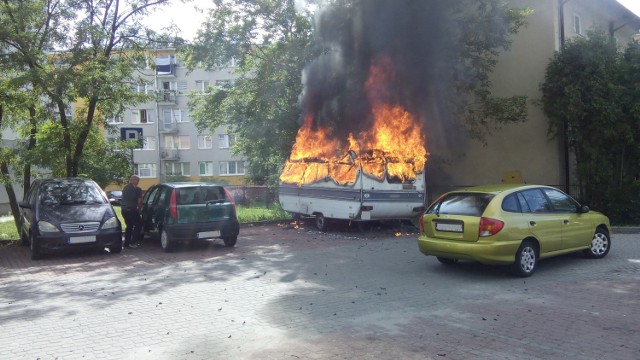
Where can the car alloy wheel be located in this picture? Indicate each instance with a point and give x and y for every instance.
(526, 259)
(600, 244)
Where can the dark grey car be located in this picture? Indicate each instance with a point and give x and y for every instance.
(69, 213)
(115, 197)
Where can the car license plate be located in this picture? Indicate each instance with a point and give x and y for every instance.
(449, 227)
(81, 239)
(208, 234)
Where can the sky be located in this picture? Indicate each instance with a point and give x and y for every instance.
(633, 5)
(189, 18)
(186, 16)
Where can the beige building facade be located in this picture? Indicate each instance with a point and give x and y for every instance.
(524, 151)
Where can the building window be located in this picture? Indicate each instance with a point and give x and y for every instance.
(226, 141)
(205, 168)
(171, 116)
(148, 143)
(145, 170)
(143, 88)
(142, 116)
(224, 83)
(178, 142)
(177, 168)
(205, 142)
(182, 87)
(184, 116)
(165, 65)
(231, 167)
(116, 120)
(202, 86)
(232, 63)
(577, 26)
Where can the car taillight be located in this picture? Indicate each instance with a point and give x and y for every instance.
(421, 223)
(233, 202)
(229, 197)
(489, 226)
(173, 205)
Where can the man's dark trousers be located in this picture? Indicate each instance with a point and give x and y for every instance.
(133, 224)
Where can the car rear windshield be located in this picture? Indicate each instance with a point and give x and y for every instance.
(201, 195)
(471, 204)
(70, 193)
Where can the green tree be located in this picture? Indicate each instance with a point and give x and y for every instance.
(271, 43)
(591, 87)
(63, 57)
(446, 52)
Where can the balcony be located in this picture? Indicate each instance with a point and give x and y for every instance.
(166, 97)
(169, 128)
(169, 154)
(165, 67)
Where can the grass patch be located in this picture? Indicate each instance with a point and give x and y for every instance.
(8, 229)
(246, 214)
(261, 213)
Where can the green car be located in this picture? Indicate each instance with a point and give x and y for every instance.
(183, 212)
(512, 224)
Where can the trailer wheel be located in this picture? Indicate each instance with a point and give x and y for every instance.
(321, 222)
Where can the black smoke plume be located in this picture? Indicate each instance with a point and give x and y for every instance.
(419, 36)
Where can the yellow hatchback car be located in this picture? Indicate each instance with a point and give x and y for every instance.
(511, 224)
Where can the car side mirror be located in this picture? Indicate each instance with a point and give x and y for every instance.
(24, 204)
(583, 209)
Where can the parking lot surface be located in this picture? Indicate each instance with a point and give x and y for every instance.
(288, 292)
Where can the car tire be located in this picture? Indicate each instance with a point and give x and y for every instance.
(526, 259)
(230, 241)
(321, 222)
(117, 248)
(24, 238)
(447, 261)
(600, 244)
(36, 254)
(166, 242)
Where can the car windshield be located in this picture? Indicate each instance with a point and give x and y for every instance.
(472, 204)
(70, 193)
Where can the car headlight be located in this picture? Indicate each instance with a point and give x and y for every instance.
(112, 223)
(46, 227)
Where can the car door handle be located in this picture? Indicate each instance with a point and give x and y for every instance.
(532, 223)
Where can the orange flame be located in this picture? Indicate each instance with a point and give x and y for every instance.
(393, 146)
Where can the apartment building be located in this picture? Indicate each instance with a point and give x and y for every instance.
(525, 151)
(172, 146)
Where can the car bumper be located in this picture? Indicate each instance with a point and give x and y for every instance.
(188, 232)
(486, 250)
(62, 241)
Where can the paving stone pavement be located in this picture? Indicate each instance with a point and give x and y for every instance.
(287, 292)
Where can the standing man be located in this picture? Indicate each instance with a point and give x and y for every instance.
(131, 206)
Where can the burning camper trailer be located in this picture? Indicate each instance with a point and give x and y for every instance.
(356, 189)
(376, 174)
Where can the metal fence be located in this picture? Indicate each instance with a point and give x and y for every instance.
(253, 195)
(248, 195)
